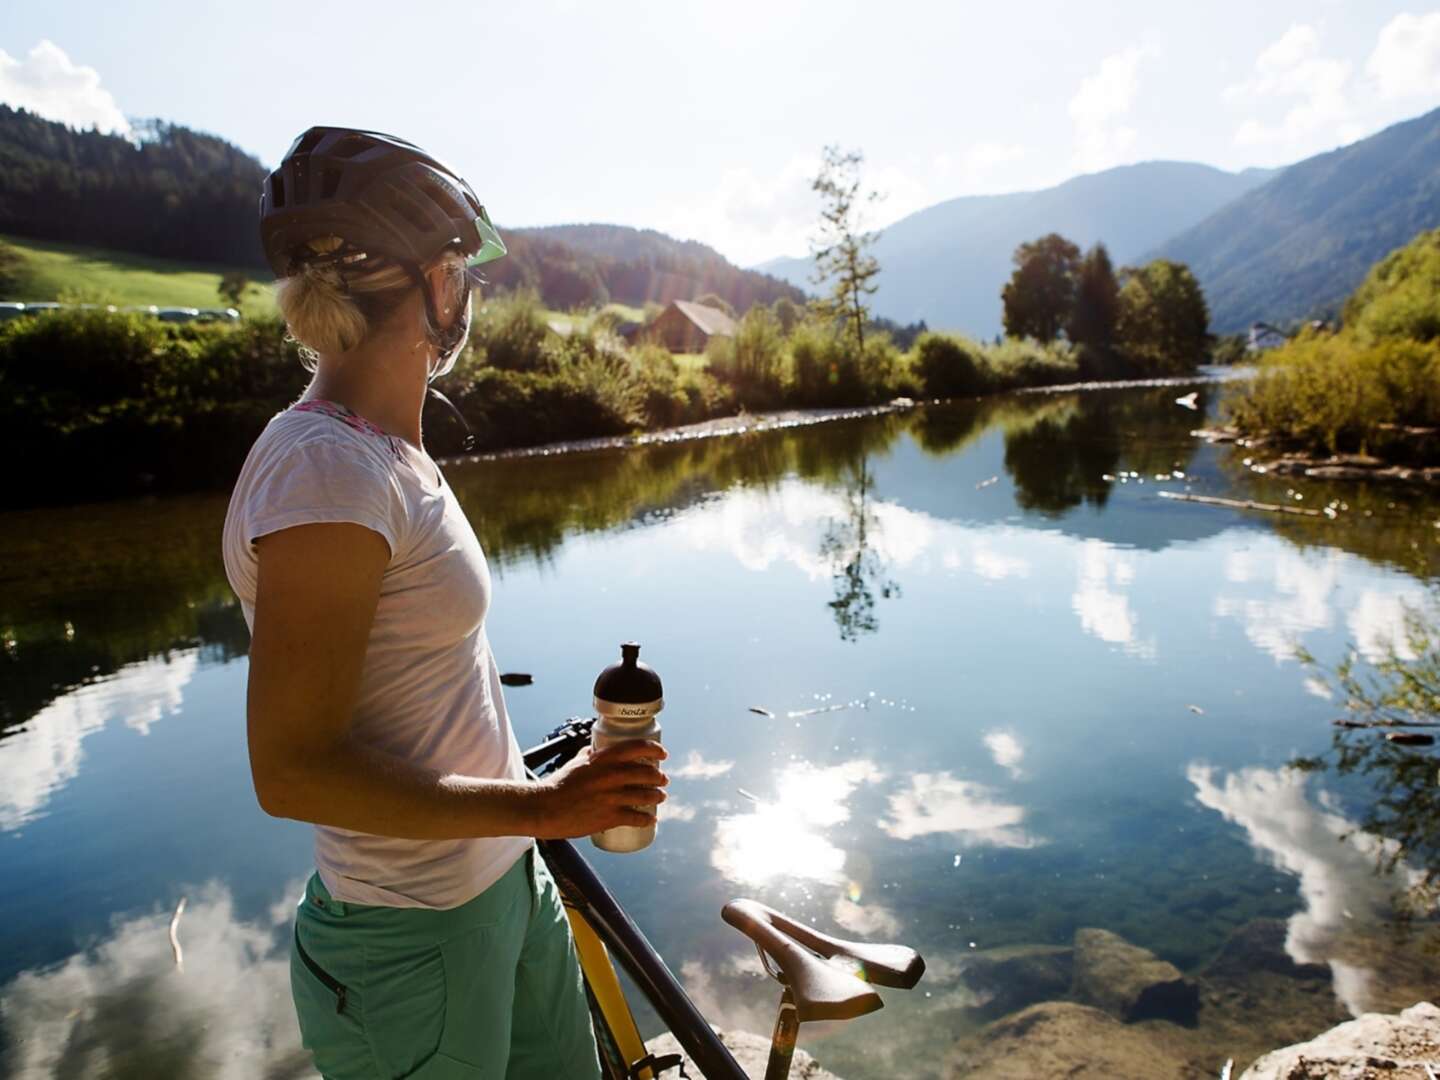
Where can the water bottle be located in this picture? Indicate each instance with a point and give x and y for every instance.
(628, 700)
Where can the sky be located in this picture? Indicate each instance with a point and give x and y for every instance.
(706, 120)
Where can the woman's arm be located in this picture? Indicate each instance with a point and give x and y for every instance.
(317, 590)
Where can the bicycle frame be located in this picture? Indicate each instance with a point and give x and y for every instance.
(586, 893)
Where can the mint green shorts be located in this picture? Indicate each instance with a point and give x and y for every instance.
(488, 989)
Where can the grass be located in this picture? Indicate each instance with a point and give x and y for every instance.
(41, 270)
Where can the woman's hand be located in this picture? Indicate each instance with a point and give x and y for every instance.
(620, 785)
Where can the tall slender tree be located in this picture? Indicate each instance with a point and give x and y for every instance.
(841, 247)
(1097, 301)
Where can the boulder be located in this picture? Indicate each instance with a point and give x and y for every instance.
(1012, 977)
(1060, 1038)
(1377, 1046)
(751, 1051)
(1128, 982)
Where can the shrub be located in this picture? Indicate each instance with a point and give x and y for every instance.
(1024, 362)
(754, 362)
(948, 365)
(1324, 392)
(510, 332)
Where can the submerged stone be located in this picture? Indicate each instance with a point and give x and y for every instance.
(1128, 982)
(1013, 977)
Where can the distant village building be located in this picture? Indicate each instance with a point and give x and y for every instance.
(1264, 336)
(686, 327)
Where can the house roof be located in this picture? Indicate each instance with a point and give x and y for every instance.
(711, 321)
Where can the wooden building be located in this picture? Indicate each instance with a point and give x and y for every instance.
(686, 327)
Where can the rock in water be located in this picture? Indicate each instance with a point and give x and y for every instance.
(1014, 976)
(751, 1051)
(1061, 1039)
(1128, 982)
(1373, 1047)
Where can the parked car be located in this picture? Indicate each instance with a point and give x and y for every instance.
(177, 314)
(11, 309)
(211, 314)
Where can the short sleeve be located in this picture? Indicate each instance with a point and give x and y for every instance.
(326, 481)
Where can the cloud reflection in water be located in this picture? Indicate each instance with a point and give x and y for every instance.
(782, 837)
(121, 1008)
(45, 754)
(970, 812)
(1342, 893)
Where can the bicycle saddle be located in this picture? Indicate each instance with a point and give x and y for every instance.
(823, 991)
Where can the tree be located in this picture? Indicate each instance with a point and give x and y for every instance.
(1096, 310)
(841, 248)
(233, 284)
(1164, 323)
(1040, 295)
(788, 312)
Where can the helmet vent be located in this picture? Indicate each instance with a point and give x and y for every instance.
(308, 142)
(277, 191)
(329, 183)
(411, 213)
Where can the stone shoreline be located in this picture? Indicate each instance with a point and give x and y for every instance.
(1333, 467)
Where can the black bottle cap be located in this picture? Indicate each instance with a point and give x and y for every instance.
(629, 682)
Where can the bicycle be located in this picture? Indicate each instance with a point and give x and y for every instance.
(795, 955)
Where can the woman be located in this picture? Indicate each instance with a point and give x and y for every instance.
(431, 942)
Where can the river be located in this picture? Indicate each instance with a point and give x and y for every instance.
(956, 677)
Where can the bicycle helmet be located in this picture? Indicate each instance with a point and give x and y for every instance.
(383, 196)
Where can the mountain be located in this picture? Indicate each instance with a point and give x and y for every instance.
(946, 264)
(177, 194)
(1297, 246)
(572, 265)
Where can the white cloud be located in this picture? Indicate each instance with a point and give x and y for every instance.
(995, 566)
(1406, 60)
(755, 214)
(1304, 584)
(49, 84)
(1099, 107)
(227, 1015)
(1312, 89)
(697, 768)
(782, 837)
(1377, 624)
(942, 803)
(867, 920)
(1103, 609)
(1341, 892)
(45, 754)
(1006, 749)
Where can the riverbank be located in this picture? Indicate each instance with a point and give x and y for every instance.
(1282, 460)
(108, 404)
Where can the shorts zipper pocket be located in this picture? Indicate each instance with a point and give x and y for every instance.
(326, 979)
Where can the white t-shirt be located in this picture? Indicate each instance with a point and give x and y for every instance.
(429, 690)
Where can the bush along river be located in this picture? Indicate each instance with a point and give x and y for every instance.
(958, 677)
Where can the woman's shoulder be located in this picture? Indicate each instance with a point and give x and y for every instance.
(306, 429)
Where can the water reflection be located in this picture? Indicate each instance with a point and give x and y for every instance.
(121, 1008)
(968, 812)
(783, 836)
(1099, 599)
(45, 754)
(858, 569)
(1344, 899)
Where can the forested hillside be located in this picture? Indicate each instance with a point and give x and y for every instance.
(1296, 247)
(179, 194)
(572, 265)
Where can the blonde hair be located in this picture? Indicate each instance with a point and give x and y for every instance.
(331, 307)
